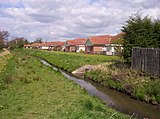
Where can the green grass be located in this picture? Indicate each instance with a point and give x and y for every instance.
(137, 84)
(1, 50)
(3, 69)
(70, 61)
(35, 91)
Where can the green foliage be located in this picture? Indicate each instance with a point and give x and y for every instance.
(153, 90)
(140, 32)
(140, 93)
(118, 41)
(157, 32)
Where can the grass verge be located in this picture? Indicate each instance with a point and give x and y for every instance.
(35, 91)
(70, 61)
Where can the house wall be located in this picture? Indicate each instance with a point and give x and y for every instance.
(44, 47)
(66, 49)
(111, 49)
(88, 43)
(72, 49)
(63, 48)
(89, 47)
(58, 48)
(98, 50)
(28, 47)
(81, 48)
(89, 50)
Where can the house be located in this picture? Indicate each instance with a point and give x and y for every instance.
(28, 46)
(96, 44)
(115, 47)
(36, 45)
(46, 45)
(80, 44)
(32, 46)
(76, 45)
(70, 46)
(102, 45)
(57, 46)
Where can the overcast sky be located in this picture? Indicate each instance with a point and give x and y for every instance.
(67, 19)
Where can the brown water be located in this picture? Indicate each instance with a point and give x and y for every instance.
(113, 98)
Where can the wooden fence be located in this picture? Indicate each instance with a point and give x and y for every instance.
(146, 59)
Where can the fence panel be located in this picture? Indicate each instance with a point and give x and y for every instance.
(146, 59)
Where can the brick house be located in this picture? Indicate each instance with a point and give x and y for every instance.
(76, 45)
(102, 45)
(57, 46)
(28, 46)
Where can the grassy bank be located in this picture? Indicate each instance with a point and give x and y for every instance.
(36, 91)
(70, 61)
(4, 63)
(139, 85)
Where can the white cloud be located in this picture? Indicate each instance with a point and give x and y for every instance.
(67, 19)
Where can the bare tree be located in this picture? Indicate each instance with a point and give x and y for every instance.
(17, 43)
(3, 38)
(38, 40)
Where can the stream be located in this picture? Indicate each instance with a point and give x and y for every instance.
(112, 98)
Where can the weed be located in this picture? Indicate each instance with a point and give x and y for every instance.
(88, 104)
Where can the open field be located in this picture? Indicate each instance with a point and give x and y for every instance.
(35, 91)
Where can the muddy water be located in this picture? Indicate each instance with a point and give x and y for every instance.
(114, 99)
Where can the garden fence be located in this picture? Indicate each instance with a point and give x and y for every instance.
(146, 59)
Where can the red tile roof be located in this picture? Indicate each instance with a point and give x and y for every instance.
(46, 44)
(58, 43)
(77, 41)
(27, 45)
(100, 40)
(36, 44)
(81, 41)
(104, 39)
(54, 43)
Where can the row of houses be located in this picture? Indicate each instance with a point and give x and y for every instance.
(92, 45)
